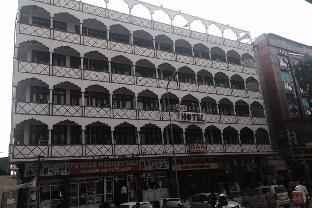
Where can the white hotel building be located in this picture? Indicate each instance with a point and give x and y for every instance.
(92, 112)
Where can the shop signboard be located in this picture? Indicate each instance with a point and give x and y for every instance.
(198, 148)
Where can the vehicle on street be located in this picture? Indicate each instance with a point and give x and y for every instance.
(277, 195)
(210, 200)
(171, 203)
(136, 205)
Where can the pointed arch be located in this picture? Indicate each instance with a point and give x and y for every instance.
(218, 54)
(237, 82)
(247, 136)
(209, 105)
(213, 135)
(262, 137)
(201, 51)
(66, 132)
(169, 102)
(233, 57)
(204, 77)
(125, 134)
(191, 103)
(31, 132)
(226, 107)
(164, 43)
(173, 134)
(98, 133)
(145, 68)
(252, 84)
(143, 39)
(150, 134)
(121, 65)
(183, 47)
(123, 98)
(193, 135)
(221, 80)
(119, 34)
(230, 135)
(148, 101)
(242, 108)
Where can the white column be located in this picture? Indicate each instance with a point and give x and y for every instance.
(26, 133)
(112, 137)
(67, 96)
(67, 64)
(51, 22)
(162, 136)
(51, 57)
(222, 140)
(28, 93)
(50, 137)
(239, 139)
(107, 34)
(51, 100)
(204, 139)
(83, 99)
(13, 99)
(29, 55)
(82, 67)
(138, 137)
(83, 136)
(131, 39)
(173, 45)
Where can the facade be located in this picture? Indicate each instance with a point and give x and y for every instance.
(289, 99)
(108, 106)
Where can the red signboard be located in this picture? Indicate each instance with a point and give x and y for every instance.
(198, 148)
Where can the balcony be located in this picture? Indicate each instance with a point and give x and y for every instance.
(259, 121)
(96, 76)
(235, 68)
(123, 47)
(188, 86)
(166, 55)
(33, 68)
(97, 112)
(66, 36)
(202, 62)
(34, 30)
(122, 79)
(32, 108)
(224, 91)
(207, 89)
(24, 152)
(244, 120)
(67, 110)
(61, 71)
(220, 65)
(94, 42)
(148, 82)
(211, 118)
(239, 93)
(185, 59)
(141, 51)
(228, 119)
(124, 113)
(149, 115)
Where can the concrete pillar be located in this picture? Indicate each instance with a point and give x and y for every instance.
(239, 139)
(50, 137)
(51, 101)
(162, 136)
(82, 67)
(107, 34)
(112, 137)
(29, 55)
(67, 64)
(28, 93)
(222, 140)
(83, 136)
(83, 99)
(26, 133)
(131, 39)
(51, 57)
(51, 22)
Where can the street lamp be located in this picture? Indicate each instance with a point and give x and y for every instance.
(173, 76)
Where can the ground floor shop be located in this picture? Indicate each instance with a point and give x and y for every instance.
(88, 183)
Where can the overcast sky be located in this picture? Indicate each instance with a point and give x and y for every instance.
(288, 18)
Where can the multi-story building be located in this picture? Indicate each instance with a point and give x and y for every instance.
(288, 96)
(110, 106)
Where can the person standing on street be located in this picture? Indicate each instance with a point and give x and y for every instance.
(303, 189)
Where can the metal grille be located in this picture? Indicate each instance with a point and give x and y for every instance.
(152, 149)
(67, 110)
(32, 108)
(224, 91)
(233, 148)
(174, 116)
(27, 152)
(97, 112)
(141, 22)
(33, 68)
(95, 42)
(188, 86)
(210, 118)
(249, 148)
(235, 68)
(143, 51)
(98, 150)
(70, 4)
(149, 115)
(259, 121)
(220, 65)
(202, 62)
(185, 59)
(67, 37)
(239, 93)
(94, 10)
(182, 31)
(120, 47)
(123, 79)
(96, 76)
(228, 119)
(124, 113)
(198, 35)
(60, 71)
(126, 150)
(166, 55)
(179, 148)
(118, 16)
(207, 89)
(149, 82)
(34, 30)
(215, 148)
(67, 151)
(254, 95)
(172, 85)
(162, 27)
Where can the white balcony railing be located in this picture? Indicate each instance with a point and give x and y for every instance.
(152, 149)
(258, 121)
(126, 150)
(166, 116)
(239, 93)
(164, 83)
(120, 47)
(33, 68)
(144, 51)
(96, 76)
(214, 148)
(244, 120)
(224, 91)
(148, 82)
(249, 148)
(220, 65)
(228, 119)
(188, 86)
(95, 42)
(67, 110)
(34, 30)
(97, 112)
(32, 108)
(233, 148)
(166, 55)
(28, 151)
(211, 118)
(61, 71)
(202, 62)
(149, 115)
(185, 59)
(98, 150)
(124, 113)
(235, 68)
(264, 148)
(66, 151)
(66, 36)
(122, 79)
(207, 89)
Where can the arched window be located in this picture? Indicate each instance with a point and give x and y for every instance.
(98, 133)
(204, 78)
(94, 28)
(226, 107)
(191, 103)
(119, 34)
(97, 96)
(150, 134)
(262, 137)
(247, 136)
(257, 110)
(186, 75)
(143, 39)
(125, 134)
(166, 71)
(148, 101)
(242, 108)
(173, 134)
(218, 54)
(66, 133)
(32, 91)
(201, 51)
(193, 135)
(34, 15)
(123, 98)
(66, 93)
(248, 60)
(237, 82)
(213, 135)
(33, 51)
(144, 68)
(209, 106)
(121, 65)
(164, 43)
(221, 80)
(66, 22)
(62, 54)
(183, 47)
(95, 61)
(252, 84)
(233, 57)
(230, 135)
(31, 132)
(169, 102)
